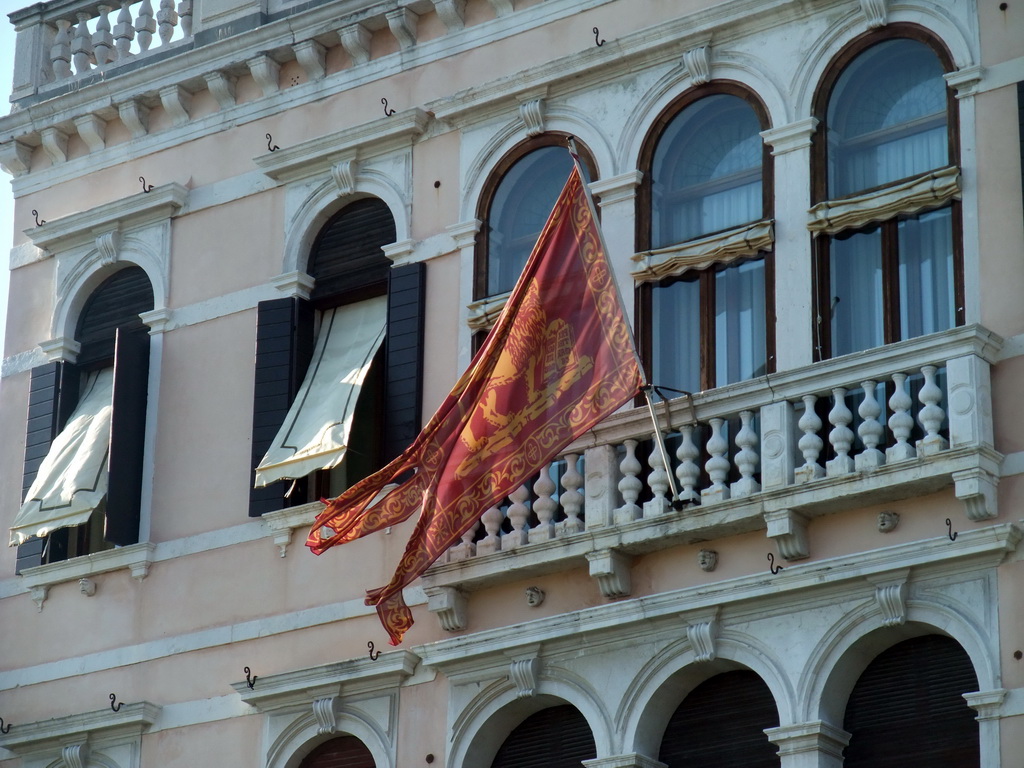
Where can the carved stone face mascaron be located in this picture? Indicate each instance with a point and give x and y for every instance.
(534, 596)
(887, 521)
(707, 559)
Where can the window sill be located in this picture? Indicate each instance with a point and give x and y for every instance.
(283, 522)
(136, 557)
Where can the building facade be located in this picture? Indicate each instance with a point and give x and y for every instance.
(257, 241)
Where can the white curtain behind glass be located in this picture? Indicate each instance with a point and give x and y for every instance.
(675, 335)
(855, 299)
(739, 323)
(926, 274)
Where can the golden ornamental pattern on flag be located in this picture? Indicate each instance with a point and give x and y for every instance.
(559, 360)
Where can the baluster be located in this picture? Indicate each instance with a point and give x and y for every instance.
(688, 472)
(545, 506)
(167, 18)
(81, 46)
(492, 520)
(102, 40)
(931, 415)
(841, 435)
(810, 444)
(746, 458)
(658, 481)
(518, 515)
(718, 465)
(901, 422)
(629, 486)
(124, 32)
(60, 51)
(185, 15)
(145, 25)
(870, 429)
(572, 499)
(465, 549)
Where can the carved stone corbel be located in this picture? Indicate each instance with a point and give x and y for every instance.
(789, 530)
(531, 112)
(355, 39)
(15, 157)
(875, 12)
(266, 72)
(93, 130)
(452, 13)
(55, 144)
(450, 605)
(39, 593)
(177, 102)
(222, 86)
(891, 598)
(108, 244)
(976, 488)
(702, 632)
(75, 755)
(326, 717)
(698, 63)
(402, 23)
(344, 173)
(135, 116)
(611, 569)
(312, 57)
(525, 675)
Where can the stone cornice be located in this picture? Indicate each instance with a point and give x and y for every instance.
(131, 720)
(135, 557)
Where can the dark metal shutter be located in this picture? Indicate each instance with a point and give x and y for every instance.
(117, 303)
(403, 410)
(53, 394)
(127, 436)
(347, 259)
(557, 737)
(1020, 128)
(721, 723)
(284, 347)
(907, 708)
(342, 752)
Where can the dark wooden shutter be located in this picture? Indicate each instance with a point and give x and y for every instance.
(342, 752)
(115, 304)
(403, 404)
(127, 436)
(53, 394)
(284, 347)
(721, 723)
(557, 737)
(907, 708)
(347, 261)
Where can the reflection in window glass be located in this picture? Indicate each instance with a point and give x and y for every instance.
(887, 118)
(926, 274)
(706, 171)
(855, 300)
(739, 323)
(521, 205)
(675, 334)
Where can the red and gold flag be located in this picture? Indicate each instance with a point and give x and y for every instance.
(559, 360)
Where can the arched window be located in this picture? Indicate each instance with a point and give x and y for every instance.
(514, 206)
(338, 376)
(556, 737)
(86, 433)
(704, 230)
(341, 752)
(907, 708)
(722, 722)
(886, 189)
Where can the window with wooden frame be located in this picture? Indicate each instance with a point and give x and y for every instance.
(338, 376)
(886, 187)
(86, 432)
(704, 267)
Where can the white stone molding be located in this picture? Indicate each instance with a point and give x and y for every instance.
(874, 12)
(15, 157)
(616, 189)
(532, 106)
(524, 673)
(791, 137)
(135, 115)
(296, 284)
(176, 102)
(312, 57)
(222, 86)
(55, 144)
(722, 248)
(452, 13)
(988, 704)
(924, 192)
(502, 7)
(789, 530)
(483, 314)
(402, 22)
(611, 569)
(108, 244)
(464, 233)
(355, 39)
(102, 737)
(977, 489)
(61, 348)
(401, 252)
(631, 760)
(326, 716)
(344, 173)
(135, 558)
(891, 597)
(266, 72)
(93, 130)
(965, 81)
(702, 632)
(450, 605)
(157, 320)
(821, 742)
(281, 523)
(697, 61)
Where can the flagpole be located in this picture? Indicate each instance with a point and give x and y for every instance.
(645, 388)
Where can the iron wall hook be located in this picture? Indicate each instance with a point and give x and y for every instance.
(147, 188)
(373, 656)
(387, 112)
(250, 679)
(270, 145)
(771, 564)
(597, 38)
(4, 729)
(113, 698)
(35, 214)
(949, 530)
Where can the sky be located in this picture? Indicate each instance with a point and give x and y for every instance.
(6, 200)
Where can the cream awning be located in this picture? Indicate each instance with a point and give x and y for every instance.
(72, 480)
(315, 432)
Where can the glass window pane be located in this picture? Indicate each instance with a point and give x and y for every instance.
(706, 174)
(926, 274)
(521, 205)
(739, 323)
(675, 334)
(855, 268)
(887, 118)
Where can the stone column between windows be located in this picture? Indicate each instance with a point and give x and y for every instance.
(794, 291)
(159, 322)
(464, 236)
(809, 745)
(617, 200)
